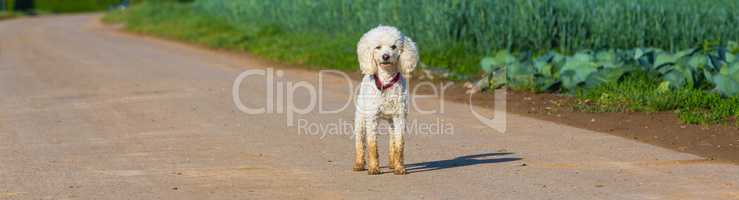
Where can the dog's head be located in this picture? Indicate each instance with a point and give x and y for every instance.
(386, 48)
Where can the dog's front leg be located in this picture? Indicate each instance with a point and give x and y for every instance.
(359, 142)
(398, 143)
(391, 149)
(373, 158)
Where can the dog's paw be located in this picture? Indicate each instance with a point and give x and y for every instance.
(373, 171)
(399, 171)
(358, 167)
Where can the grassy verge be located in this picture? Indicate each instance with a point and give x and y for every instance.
(181, 22)
(67, 6)
(176, 21)
(313, 48)
(641, 92)
(6, 15)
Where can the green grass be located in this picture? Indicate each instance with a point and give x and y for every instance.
(71, 6)
(181, 22)
(6, 15)
(8, 6)
(641, 92)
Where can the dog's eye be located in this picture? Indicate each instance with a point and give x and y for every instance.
(393, 47)
(378, 47)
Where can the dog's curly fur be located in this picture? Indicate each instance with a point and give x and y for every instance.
(383, 52)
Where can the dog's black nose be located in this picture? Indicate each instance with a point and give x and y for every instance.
(385, 57)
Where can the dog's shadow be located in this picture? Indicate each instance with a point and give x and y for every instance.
(462, 161)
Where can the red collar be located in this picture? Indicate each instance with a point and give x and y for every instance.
(382, 87)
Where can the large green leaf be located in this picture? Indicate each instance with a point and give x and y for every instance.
(638, 53)
(504, 58)
(730, 58)
(727, 80)
(546, 65)
(520, 75)
(605, 75)
(697, 65)
(645, 58)
(679, 74)
(581, 57)
(606, 56)
(717, 59)
(679, 69)
(486, 64)
(500, 60)
(662, 59)
(734, 70)
(686, 53)
(608, 59)
(726, 85)
(576, 70)
(676, 79)
(696, 62)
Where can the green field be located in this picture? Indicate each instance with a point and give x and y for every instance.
(638, 36)
(67, 6)
(454, 34)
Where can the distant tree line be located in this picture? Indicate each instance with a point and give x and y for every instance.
(23, 5)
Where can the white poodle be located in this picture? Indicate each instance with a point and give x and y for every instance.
(386, 57)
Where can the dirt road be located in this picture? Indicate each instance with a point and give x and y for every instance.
(91, 113)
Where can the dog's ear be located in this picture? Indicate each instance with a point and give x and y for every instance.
(408, 56)
(364, 55)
